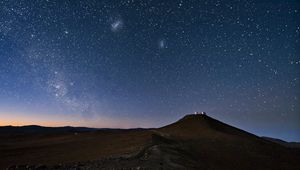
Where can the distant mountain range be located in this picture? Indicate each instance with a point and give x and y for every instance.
(42, 129)
(64, 129)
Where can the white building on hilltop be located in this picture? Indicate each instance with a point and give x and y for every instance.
(200, 113)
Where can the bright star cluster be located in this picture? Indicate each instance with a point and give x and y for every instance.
(147, 63)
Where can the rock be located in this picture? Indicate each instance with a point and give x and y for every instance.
(41, 167)
(30, 167)
(21, 167)
(57, 167)
(11, 167)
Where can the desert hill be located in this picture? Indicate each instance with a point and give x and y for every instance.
(216, 145)
(193, 142)
(283, 143)
(198, 125)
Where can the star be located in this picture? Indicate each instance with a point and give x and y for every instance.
(162, 44)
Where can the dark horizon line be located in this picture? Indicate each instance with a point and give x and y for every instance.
(136, 128)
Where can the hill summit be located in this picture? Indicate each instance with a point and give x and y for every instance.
(201, 125)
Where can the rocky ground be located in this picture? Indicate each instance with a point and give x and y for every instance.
(161, 153)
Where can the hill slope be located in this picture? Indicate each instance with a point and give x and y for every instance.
(195, 126)
(216, 145)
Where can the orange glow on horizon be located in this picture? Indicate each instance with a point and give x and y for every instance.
(23, 119)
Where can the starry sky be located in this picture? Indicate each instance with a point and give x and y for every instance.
(138, 63)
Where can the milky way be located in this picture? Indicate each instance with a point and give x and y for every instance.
(147, 63)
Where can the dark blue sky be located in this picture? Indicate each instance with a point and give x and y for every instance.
(134, 63)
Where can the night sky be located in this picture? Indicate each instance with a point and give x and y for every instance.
(147, 63)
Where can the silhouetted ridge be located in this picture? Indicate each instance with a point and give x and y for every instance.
(41, 129)
(200, 124)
